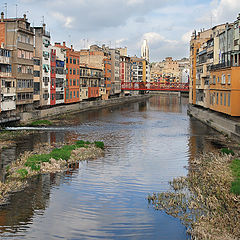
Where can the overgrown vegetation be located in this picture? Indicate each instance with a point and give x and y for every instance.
(64, 153)
(227, 151)
(22, 172)
(40, 123)
(204, 200)
(235, 167)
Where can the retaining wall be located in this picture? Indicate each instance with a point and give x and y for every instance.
(78, 107)
(220, 122)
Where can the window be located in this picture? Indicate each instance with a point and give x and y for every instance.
(225, 99)
(74, 94)
(229, 99)
(223, 79)
(214, 79)
(221, 98)
(70, 82)
(218, 80)
(71, 95)
(70, 71)
(74, 71)
(229, 78)
(77, 94)
(70, 60)
(74, 82)
(217, 98)
(67, 60)
(74, 61)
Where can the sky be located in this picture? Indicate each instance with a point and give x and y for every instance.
(166, 24)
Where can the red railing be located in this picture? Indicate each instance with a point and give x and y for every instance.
(138, 86)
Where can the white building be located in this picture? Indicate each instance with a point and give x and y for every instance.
(145, 50)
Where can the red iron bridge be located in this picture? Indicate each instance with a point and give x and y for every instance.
(143, 86)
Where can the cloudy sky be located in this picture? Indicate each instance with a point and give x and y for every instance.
(166, 24)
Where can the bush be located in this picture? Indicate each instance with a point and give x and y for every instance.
(227, 151)
(22, 172)
(99, 144)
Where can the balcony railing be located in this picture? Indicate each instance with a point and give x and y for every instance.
(222, 65)
(9, 90)
(4, 60)
(5, 74)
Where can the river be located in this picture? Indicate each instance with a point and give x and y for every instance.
(147, 144)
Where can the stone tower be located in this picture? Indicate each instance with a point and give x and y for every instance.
(145, 50)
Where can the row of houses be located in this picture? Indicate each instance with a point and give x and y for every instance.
(215, 68)
(37, 74)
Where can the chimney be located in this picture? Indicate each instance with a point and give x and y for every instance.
(2, 16)
(71, 47)
(25, 17)
(44, 27)
(64, 44)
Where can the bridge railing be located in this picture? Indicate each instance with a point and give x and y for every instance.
(154, 86)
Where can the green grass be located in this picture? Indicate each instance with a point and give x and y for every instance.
(40, 123)
(235, 167)
(99, 144)
(227, 151)
(22, 172)
(34, 162)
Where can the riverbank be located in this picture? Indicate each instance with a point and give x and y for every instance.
(27, 117)
(207, 200)
(47, 159)
(219, 122)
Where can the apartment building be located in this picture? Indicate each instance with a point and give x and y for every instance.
(202, 53)
(42, 51)
(18, 36)
(125, 70)
(100, 58)
(36, 81)
(53, 77)
(72, 87)
(219, 56)
(91, 79)
(60, 73)
(140, 70)
(7, 84)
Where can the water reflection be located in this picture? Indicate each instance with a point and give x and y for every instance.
(148, 143)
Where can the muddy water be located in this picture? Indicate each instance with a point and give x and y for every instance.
(147, 144)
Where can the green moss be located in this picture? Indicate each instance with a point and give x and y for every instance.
(41, 123)
(227, 151)
(235, 167)
(22, 172)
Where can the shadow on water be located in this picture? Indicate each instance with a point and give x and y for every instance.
(148, 143)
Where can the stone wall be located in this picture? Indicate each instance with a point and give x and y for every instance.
(220, 122)
(78, 107)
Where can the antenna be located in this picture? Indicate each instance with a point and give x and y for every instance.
(211, 20)
(16, 10)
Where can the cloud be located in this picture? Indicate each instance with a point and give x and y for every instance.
(66, 20)
(186, 37)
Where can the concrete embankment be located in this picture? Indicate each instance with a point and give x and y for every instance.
(78, 107)
(218, 121)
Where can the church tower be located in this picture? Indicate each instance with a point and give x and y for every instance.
(145, 50)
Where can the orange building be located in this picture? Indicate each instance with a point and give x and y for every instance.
(107, 74)
(224, 90)
(72, 87)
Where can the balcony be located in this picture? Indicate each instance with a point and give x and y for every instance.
(4, 60)
(5, 74)
(8, 90)
(220, 66)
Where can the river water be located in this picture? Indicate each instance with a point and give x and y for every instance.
(147, 144)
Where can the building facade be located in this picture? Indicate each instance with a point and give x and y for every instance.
(18, 36)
